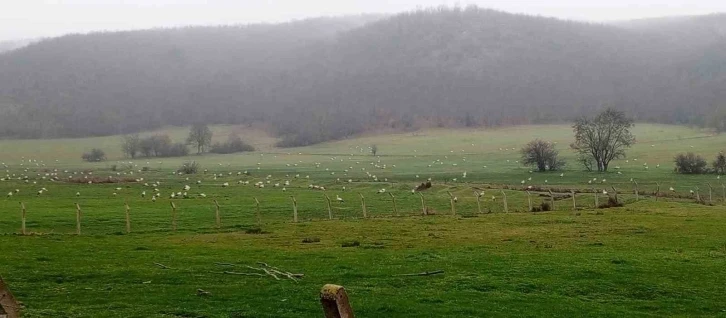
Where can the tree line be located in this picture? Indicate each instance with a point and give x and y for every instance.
(161, 145)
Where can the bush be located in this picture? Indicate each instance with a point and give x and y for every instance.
(190, 167)
(612, 203)
(690, 163)
(95, 155)
(233, 145)
(719, 165)
(175, 150)
(541, 155)
(545, 206)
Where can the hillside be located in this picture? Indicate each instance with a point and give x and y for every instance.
(323, 79)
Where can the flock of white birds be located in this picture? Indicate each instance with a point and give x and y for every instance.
(368, 174)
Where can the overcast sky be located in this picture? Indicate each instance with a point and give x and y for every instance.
(41, 18)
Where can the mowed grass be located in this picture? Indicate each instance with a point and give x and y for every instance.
(648, 258)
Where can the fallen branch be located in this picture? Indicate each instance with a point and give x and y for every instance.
(162, 266)
(225, 264)
(423, 274)
(239, 274)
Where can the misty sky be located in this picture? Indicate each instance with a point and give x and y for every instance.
(40, 18)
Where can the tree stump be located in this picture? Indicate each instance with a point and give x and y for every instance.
(335, 302)
(9, 307)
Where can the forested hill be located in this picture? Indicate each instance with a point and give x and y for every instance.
(329, 78)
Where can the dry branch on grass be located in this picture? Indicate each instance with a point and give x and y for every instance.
(423, 274)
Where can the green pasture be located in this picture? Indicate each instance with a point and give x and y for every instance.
(646, 259)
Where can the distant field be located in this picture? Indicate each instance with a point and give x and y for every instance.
(648, 258)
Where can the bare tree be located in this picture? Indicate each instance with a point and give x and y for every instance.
(541, 154)
(131, 145)
(200, 136)
(604, 137)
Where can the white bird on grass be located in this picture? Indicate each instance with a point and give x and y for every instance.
(339, 199)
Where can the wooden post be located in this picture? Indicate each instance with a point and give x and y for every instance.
(478, 201)
(723, 191)
(78, 219)
(423, 203)
(615, 192)
(22, 218)
(128, 218)
(330, 208)
(698, 194)
(9, 307)
(395, 209)
(363, 205)
(710, 191)
(259, 217)
(657, 190)
(597, 203)
(453, 204)
(506, 208)
(552, 198)
(217, 218)
(529, 200)
(637, 194)
(294, 209)
(173, 216)
(335, 302)
(574, 200)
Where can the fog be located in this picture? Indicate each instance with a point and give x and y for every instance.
(45, 18)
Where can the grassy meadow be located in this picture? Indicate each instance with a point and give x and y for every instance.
(647, 259)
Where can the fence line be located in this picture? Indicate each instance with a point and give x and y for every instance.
(425, 209)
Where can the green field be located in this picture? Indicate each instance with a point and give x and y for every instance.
(648, 258)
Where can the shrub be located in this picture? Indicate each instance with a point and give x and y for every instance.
(611, 203)
(690, 163)
(233, 145)
(719, 165)
(189, 167)
(175, 150)
(95, 155)
(545, 206)
(541, 155)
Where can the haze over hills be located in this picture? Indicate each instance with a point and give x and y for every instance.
(328, 78)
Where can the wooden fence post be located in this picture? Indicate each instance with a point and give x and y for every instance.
(363, 205)
(173, 216)
(615, 192)
(453, 203)
(637, 193)
(335, 302)
(698, 194)
(423, 203)
(506, 208)
(657, 190)
(723, 191)
(597, 203)
(9, 306)
(217, 218)
(259, 216)
(710, 191)
(529, 200)
(78, 219)
(395, 208)
(574, 200)
(294, 209)
(552, 198)
(478, 201)
(128, 218)
(22, 218)
(330, 208)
